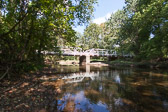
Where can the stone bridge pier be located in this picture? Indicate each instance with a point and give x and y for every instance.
(84, 60)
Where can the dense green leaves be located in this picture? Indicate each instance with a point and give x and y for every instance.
(28, 27)
(146, 25)
(140, 28)
(92, 35)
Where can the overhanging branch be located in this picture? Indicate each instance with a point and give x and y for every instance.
(12, 29)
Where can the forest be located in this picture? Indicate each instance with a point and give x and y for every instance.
(141, 28)
(28, 27)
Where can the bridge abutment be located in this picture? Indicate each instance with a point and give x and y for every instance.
(84, 60)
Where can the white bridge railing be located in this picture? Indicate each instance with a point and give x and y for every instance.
(90, 52)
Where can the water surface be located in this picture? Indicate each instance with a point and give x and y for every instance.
(104, 89)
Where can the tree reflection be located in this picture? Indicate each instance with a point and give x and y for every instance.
(116, 90)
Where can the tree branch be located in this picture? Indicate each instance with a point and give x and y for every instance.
(12, 29)
(4, 74)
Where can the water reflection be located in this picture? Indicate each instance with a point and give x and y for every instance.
(79, 102)
(113, 90)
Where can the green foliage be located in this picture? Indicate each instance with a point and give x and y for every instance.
(113, 29)
(92, 36)
(143, 32)
(29, 27)
(80, 41)
(139, 28)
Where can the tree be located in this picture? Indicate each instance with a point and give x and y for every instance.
(92, 35)
(28, 27)
(80, 41)
(113, 29)
(143, 31)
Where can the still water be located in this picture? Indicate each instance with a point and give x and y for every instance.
(107, 89)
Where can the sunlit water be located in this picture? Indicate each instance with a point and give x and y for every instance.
(104, 89)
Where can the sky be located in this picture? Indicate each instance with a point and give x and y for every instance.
(103, 11)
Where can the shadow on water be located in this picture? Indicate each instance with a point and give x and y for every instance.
(89, 88)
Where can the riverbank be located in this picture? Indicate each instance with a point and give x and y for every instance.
(160, 64)
(142, 64)
(33, 92)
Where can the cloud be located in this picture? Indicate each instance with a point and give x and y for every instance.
(103, 19)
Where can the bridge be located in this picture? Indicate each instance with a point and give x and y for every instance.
(86, 54)
(91, 52)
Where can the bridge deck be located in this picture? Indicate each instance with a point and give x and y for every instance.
(91, 52)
